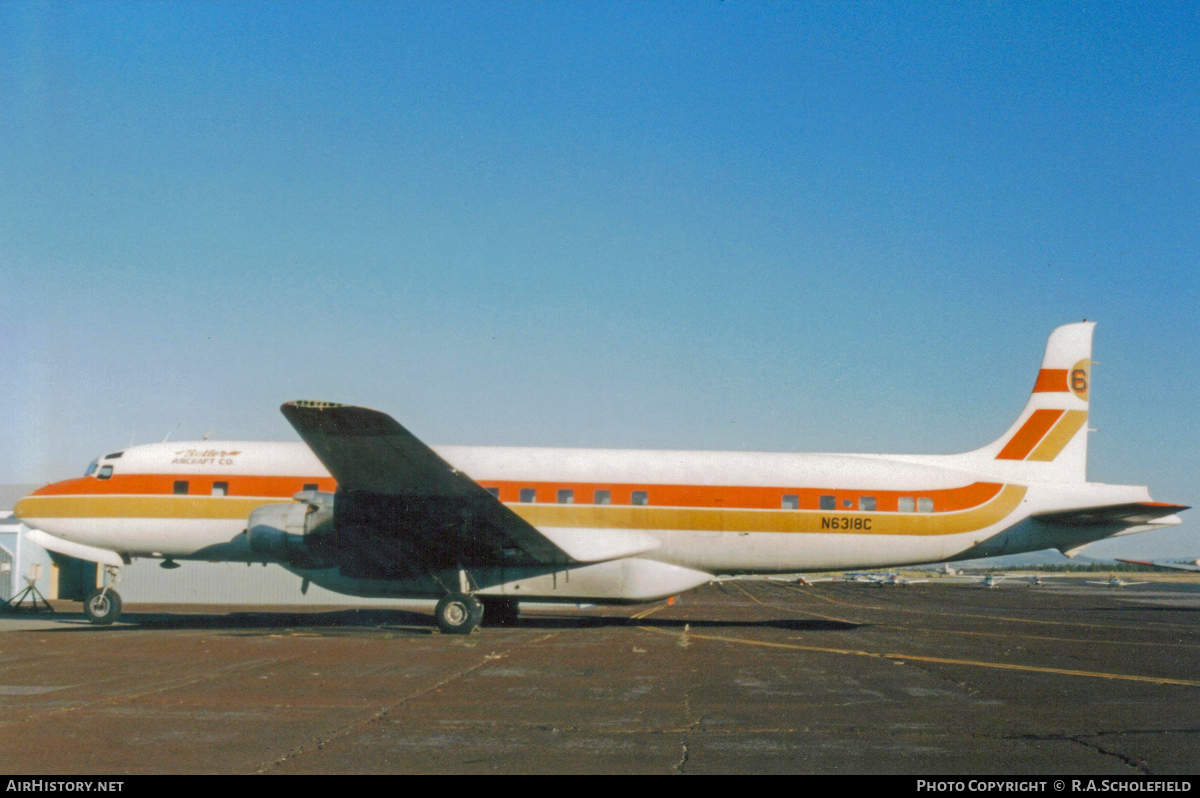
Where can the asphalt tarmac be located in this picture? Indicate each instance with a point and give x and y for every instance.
(740, 677)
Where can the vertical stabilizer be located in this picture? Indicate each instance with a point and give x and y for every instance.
(1049, 439)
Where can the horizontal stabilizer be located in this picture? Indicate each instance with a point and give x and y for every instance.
(1131, 513)
(1172, 566)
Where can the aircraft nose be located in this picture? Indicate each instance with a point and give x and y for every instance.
(24, 507)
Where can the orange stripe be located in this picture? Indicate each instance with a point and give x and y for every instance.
(1029, 434)
(746, 498)
(701, 496)
(1051, 381)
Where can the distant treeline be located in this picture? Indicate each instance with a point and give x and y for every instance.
(1083, 568)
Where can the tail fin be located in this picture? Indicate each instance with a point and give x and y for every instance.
(1049, 438)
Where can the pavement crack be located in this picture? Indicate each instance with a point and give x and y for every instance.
(678, 766)
(1091, 742)
(1136, 763)
(320, 742)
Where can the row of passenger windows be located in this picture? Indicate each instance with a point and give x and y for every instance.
(866, 504)
(638, 498)
(790, 501)
(183, 488)
(567, 496)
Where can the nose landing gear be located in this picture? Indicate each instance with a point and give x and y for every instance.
(103, 606)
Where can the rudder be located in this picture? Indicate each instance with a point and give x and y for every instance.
(1049, 438)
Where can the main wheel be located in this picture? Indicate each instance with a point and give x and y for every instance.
(102, 608)
(458, 614)
(499, 612)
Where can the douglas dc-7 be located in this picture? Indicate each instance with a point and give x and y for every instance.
(364, 508)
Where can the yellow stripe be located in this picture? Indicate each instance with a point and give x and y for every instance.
(555, 515)
(939, 660)
(788, 521)
(1060, 436)
(139, 506)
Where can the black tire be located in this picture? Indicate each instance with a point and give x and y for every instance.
(102, 608)
(500, 612)
(458, 614)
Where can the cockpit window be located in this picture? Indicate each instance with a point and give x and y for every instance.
(113, 456)
(105, 472)
(91, 468)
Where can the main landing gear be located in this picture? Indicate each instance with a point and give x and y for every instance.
(462, 613)
(103, 606)
(458, 614)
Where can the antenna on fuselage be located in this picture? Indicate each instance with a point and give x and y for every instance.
(177, 426)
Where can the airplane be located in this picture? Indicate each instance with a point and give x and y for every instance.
(362, 507)
(1193, 565)
(983, 580)
(1116, 581)
(890, 579)
(792, 579)
(994, 580)
(807, 581)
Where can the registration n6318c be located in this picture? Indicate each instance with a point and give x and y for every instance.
(845, 523)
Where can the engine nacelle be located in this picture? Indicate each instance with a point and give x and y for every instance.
(292, 533)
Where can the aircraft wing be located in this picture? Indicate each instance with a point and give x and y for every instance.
(397, 497)
(1133, 513)
(1174, 566)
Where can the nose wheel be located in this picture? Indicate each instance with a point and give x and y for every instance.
(458, 614)
(103, 606)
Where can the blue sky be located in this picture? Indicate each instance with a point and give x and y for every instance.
(698, 225)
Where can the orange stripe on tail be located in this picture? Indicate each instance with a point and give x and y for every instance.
(1051, 381)
(1032, 431)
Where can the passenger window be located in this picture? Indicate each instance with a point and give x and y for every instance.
(790, 502)
(105, 472)
(603, 497)
(181, 487)
(925, 505)
(906, 504)
(528, 494)
(310, 486)
(866, 504)
(566, 496)
(847, 503)
(640, 498)
(219, 488)
(828, 503)
(494, 491)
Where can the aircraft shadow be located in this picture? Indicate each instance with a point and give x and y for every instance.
(584, 621)
(404, 622)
